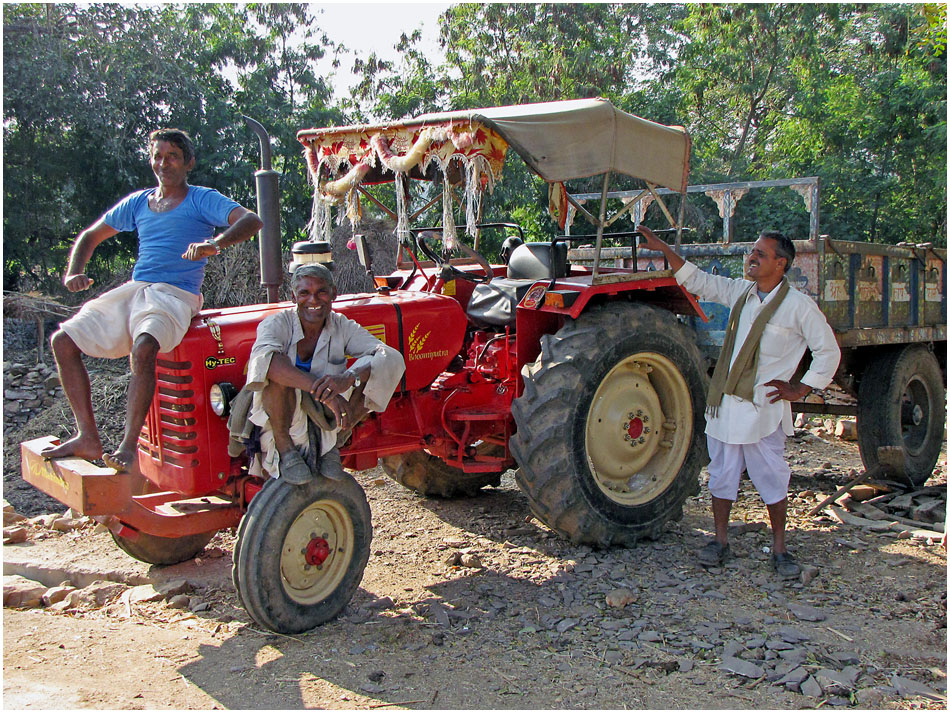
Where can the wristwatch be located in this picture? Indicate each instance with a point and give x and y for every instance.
(357, 381)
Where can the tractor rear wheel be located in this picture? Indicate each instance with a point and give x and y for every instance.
(429, 475)
(610, 438)
(163, 550)
(902, 402)
(301, 552)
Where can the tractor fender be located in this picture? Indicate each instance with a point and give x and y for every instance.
(546, 305)
(571, 296)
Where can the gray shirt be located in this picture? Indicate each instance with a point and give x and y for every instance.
(340, 339)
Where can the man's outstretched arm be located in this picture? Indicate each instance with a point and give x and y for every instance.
(652, 242)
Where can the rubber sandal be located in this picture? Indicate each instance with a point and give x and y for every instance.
(713, 554)
(293, 468)
(785, 565)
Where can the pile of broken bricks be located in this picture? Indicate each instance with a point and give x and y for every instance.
(23, 593)
(18, 528)
(888, 506)
(73, 595)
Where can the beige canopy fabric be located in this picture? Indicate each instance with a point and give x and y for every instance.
(584, 137)
(564, 140)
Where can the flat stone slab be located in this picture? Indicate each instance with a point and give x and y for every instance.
(93, 558)
(792, 635)
(806, 613)
(908, 688)
(741, 668)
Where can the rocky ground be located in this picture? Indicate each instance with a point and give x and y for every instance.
(470, 603)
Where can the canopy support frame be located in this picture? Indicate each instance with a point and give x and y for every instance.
(600, 226)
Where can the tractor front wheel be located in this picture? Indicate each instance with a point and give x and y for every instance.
(610, 439)
(301, 552)
(163, 550)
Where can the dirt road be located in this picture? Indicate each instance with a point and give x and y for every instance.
(530, 628)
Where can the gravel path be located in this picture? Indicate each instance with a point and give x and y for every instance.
(470, 603)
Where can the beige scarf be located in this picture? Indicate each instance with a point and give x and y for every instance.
(739, 379)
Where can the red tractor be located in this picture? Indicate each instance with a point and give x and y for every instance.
(583, 378)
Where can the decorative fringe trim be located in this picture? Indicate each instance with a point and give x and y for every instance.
(319, 226)
(478, 178)
(473, 196)
(402, 211)
(449, 236)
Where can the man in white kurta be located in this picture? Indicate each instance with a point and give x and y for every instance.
(306, 349)
(747, 434)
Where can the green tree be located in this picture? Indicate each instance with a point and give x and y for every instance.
(83, 86)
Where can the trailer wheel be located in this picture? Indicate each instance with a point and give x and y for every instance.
(301, 552)
(610, 439)
(902, 402)
(427, 474)
(163, 550)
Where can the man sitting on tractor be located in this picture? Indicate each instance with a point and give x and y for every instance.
(151, 313)
(301, 353)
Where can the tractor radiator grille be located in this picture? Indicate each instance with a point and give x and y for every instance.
(170, 433)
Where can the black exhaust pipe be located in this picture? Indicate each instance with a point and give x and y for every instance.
(268, 208)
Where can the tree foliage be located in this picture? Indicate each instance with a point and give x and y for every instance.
(84, 85)
(852, 93)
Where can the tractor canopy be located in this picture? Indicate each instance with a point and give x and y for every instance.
(564, 140)
(559, 141)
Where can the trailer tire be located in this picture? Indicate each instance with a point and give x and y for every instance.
(427, 474)
(902, 402)
(301, 552)
(163, 550)
(610, 438)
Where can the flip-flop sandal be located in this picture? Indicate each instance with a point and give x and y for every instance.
(713, 554)
(293, 468)
(785, 565)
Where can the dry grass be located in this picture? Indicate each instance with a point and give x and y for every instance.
(348, 273)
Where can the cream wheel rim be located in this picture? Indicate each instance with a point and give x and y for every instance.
(317, 551)
(639, 427)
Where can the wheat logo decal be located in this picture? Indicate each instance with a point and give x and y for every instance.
(416, 343)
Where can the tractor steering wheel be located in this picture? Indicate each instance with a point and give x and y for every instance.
(446, 266)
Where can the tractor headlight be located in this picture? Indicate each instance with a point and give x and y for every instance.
(221, 396)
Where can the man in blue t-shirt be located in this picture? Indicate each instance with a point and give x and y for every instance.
(176, 224)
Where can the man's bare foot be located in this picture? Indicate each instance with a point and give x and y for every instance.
(122, 461)
(81, 446)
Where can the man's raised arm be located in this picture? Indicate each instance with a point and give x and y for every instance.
(652, 242)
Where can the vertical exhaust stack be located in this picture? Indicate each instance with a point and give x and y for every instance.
(268, 208)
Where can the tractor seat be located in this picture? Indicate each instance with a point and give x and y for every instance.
(538, 261)
(493, 303)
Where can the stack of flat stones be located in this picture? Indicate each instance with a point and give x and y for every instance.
(27, 390)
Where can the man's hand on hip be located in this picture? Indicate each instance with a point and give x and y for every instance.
(77, 283)
(786, 391)
(199, 251)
